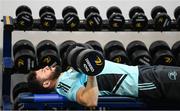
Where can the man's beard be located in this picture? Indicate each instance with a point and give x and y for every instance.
(57, 72)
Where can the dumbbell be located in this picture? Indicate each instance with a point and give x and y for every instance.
(85, 46)
(114, 51)
(138, 53)
(93, 19)
(95, 45)
(138, 18)
(24, 56)
(85, 60)
(24, 19)
(71, 19)
(176, 51)
(47, 18)
(47, 53)
(177, 16)
(161, 53)
(21, 87)
(115, 18)
(161, 19)
(62, 52)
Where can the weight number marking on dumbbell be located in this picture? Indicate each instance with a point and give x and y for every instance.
(145, 60)
(117, 59)
(47, 60)
(22, 23)
(26, 18)
(138, 25)
(72, 25)
(115, 25)
(91, 22)
(168, 59)
(69, 19)
(46, 24)
(96, 20)
(88, 65)
(166, 23)
(20, 62)
(98, 61)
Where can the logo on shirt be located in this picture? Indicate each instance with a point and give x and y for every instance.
(172, 75)
(63, 86)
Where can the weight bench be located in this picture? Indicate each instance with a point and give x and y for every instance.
(56, 101)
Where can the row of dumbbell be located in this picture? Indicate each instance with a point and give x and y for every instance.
(87, 60)
(136, 53)
(93, 21)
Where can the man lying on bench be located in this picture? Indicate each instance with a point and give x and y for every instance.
(147, 82)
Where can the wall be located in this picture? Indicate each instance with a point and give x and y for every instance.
(8, 7)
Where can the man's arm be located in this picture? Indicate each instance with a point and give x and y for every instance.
(88, 96)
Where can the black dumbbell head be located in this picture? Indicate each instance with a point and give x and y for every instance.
(177, 12)
(47, 18)
(46, 9)
(69, 9)
(93, 20)
(139, 22)
(118, 56)
(19, 88)
(72, 57)
(112, 10)
(177, 16)
(176, 48)
(90, 62)
(161, 54)
(141, 57)
(62, 52)
(64, 46)
(46, 44)
(23, 8)
(24, 56)
(24, 19)
(89, 10)
(161, 19)
(48, 58)
(23, 44)
(95, 45)
(156, 10)
(71, 47)
(71, 19)
(47, 53)
(158, 45)
(115, 18)
(176, 51)
(24, 61)
(74, 46)
(164, 57)
(135, 45)
(134, 10)
(112, 45)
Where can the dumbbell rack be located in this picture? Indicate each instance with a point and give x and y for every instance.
(9, 27)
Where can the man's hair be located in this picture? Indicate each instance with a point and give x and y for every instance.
(35, 86)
